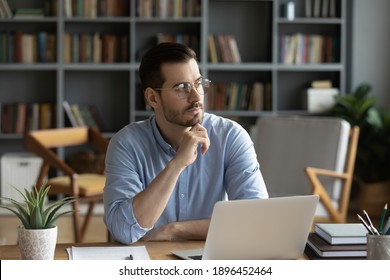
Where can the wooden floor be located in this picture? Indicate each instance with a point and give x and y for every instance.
(96, 232)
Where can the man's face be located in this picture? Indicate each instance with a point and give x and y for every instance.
(180, 107)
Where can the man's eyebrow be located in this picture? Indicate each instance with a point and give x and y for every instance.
(201, 77)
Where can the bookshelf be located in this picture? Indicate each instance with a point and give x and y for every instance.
(110, 82)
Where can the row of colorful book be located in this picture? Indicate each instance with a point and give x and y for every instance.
(168, 8)
(320, 8)
(21, 47)
(20, 117)
(302, 48)
(96, 8)
(223, 48)
(95, 47)
(337, 241)
(255, 96)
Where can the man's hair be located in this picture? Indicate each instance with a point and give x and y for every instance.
(150, 67)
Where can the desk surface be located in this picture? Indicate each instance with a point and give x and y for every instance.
(157, 250)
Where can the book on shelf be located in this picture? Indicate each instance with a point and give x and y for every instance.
(321, 84)
(5, 10)
(67, 48)
(83, 115)
(77, 114)
(21, 117)
(317, 8)
(88, 117)
(233, 48)
(332, 8)
(28, 13)
(308, 8)
(212, 50)
(349, 233)
(97, 117)
(34, 111)
(324, 249)
(256, 102)
(325, 8)
(69, 114)
(47, 116)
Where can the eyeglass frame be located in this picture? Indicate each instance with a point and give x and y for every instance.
(188, 87)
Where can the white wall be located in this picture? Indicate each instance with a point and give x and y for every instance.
(370, 46)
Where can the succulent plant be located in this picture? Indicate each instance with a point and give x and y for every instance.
(33, 211)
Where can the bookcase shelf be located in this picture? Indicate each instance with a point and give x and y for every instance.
(113, 87)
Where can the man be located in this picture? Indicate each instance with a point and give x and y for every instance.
(165, 174)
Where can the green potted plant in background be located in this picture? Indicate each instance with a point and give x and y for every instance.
(37, 236)
(372, 166)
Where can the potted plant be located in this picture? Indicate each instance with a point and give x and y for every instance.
(37, 236)
(372, 165)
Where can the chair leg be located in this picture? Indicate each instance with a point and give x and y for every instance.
(76, 221)
(87, 218)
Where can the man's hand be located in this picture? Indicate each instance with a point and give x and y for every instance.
(187, 151)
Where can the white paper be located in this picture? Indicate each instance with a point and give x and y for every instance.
(108, 253)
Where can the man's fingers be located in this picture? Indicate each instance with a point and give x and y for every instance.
(204, 141)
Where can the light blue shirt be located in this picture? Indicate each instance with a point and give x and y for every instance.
(138, 153)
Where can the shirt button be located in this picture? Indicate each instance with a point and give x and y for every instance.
(182, 195)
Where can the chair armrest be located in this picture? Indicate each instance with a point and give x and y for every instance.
(48, 155)
(327, 172)
(319, 189)
(98, 140)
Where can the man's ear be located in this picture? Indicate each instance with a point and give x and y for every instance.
(151, 97)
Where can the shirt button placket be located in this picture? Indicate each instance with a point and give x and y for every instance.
(183, 199)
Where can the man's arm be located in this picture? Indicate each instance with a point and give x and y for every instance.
(149, 204)
(186, 230)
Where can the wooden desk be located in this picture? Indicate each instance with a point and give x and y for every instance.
(157, 250)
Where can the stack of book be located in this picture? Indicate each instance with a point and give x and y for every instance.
(337, 241)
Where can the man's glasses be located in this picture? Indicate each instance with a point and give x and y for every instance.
(183, 90)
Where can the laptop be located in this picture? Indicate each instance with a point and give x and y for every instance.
(254, 229)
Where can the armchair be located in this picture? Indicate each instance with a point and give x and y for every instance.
(308, 155)
(87, 187)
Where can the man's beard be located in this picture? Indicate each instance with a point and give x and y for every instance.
(175, 117)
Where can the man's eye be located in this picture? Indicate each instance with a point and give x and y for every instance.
(181, 86)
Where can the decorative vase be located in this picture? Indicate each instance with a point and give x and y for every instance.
(37, 244)
(372, 197)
